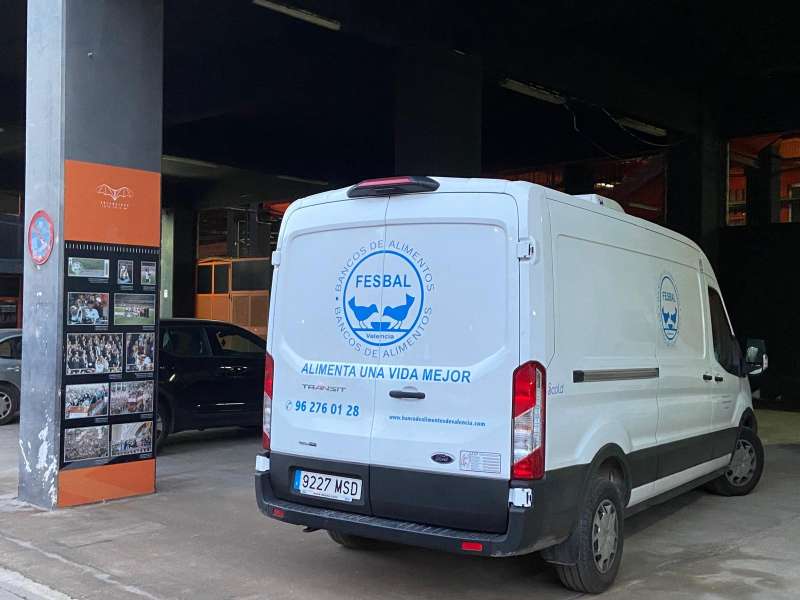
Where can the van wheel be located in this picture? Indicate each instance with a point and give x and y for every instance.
(353, 542)
(745, 468)
(598, 537)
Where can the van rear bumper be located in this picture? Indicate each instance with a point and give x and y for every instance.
(546, 523)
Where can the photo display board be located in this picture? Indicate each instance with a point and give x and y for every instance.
(110, 374)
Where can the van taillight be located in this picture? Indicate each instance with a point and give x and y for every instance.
(269, 378)
(529, 421)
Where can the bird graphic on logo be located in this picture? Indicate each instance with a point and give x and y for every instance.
(667, 316)
(114, 193)
(362, 313)
(398, 313)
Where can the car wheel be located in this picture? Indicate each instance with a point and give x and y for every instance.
(163, 424)
(745, 468)
(9, 403)
(353, 542)
(599, 540)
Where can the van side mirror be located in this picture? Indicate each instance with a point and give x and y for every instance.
(755, 356)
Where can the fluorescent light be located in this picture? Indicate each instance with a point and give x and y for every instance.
(603, 184)
(189, 161)
(534, 91)
(302, 180)
(299, 13)
(644, 206)
(643, 127)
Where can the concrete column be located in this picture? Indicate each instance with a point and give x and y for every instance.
(438, 113)
(696, 187)
(757, 211)
(769, 184)
(167, 262)
(93, 161)
(184, 259)
(40, 415)
(578, 178)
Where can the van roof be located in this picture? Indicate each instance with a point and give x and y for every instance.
(446, 184)
(499, 186)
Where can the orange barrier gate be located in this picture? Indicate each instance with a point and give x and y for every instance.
(235, 290)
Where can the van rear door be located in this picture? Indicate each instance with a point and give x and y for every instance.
(447, 342)
(322, 400)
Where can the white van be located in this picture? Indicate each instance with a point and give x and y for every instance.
(494, 368)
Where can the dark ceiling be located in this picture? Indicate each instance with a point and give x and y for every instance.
(247, 87)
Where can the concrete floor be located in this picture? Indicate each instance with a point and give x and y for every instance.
(202, 537)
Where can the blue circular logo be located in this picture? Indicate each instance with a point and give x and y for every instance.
(669, 305)
(383, 298)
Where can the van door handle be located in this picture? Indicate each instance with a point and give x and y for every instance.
(707, 377)
(718, 378)
(407, 394)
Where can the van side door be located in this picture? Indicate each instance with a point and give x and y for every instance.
(725, 362)
(684, 395)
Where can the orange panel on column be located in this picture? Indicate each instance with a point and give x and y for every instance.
(113, 205)
(107, 482)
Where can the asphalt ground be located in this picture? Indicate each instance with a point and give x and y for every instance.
(202, 536)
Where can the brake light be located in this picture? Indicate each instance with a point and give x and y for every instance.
(393, 185)
(269, 378)
(529, 385)
(472, 546)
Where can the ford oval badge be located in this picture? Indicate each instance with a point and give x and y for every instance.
(442, 458)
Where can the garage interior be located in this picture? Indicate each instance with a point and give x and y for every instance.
(683, 114)
(686, 118)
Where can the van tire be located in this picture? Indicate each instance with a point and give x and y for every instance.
(353, 542)
(585, 575)
(731, 483)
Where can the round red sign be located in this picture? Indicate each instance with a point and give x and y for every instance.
(41, 235)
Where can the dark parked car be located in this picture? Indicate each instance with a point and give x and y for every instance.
(211, 374)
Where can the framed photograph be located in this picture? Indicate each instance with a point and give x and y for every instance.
(125, 272)
(131, 438)
(86, 400)
(87, 308)
(79, 266)
(140, 351)
(94, 353)
(131, 397)
(148, 273)
(134, 309)
(86, 443)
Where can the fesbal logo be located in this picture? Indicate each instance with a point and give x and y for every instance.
(669, 307)
(383, 298)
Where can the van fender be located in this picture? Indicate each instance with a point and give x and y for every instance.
(748, 419)
(566, 553)
(604, 433)
(743, 415)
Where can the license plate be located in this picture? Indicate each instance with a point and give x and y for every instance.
(322, 485)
